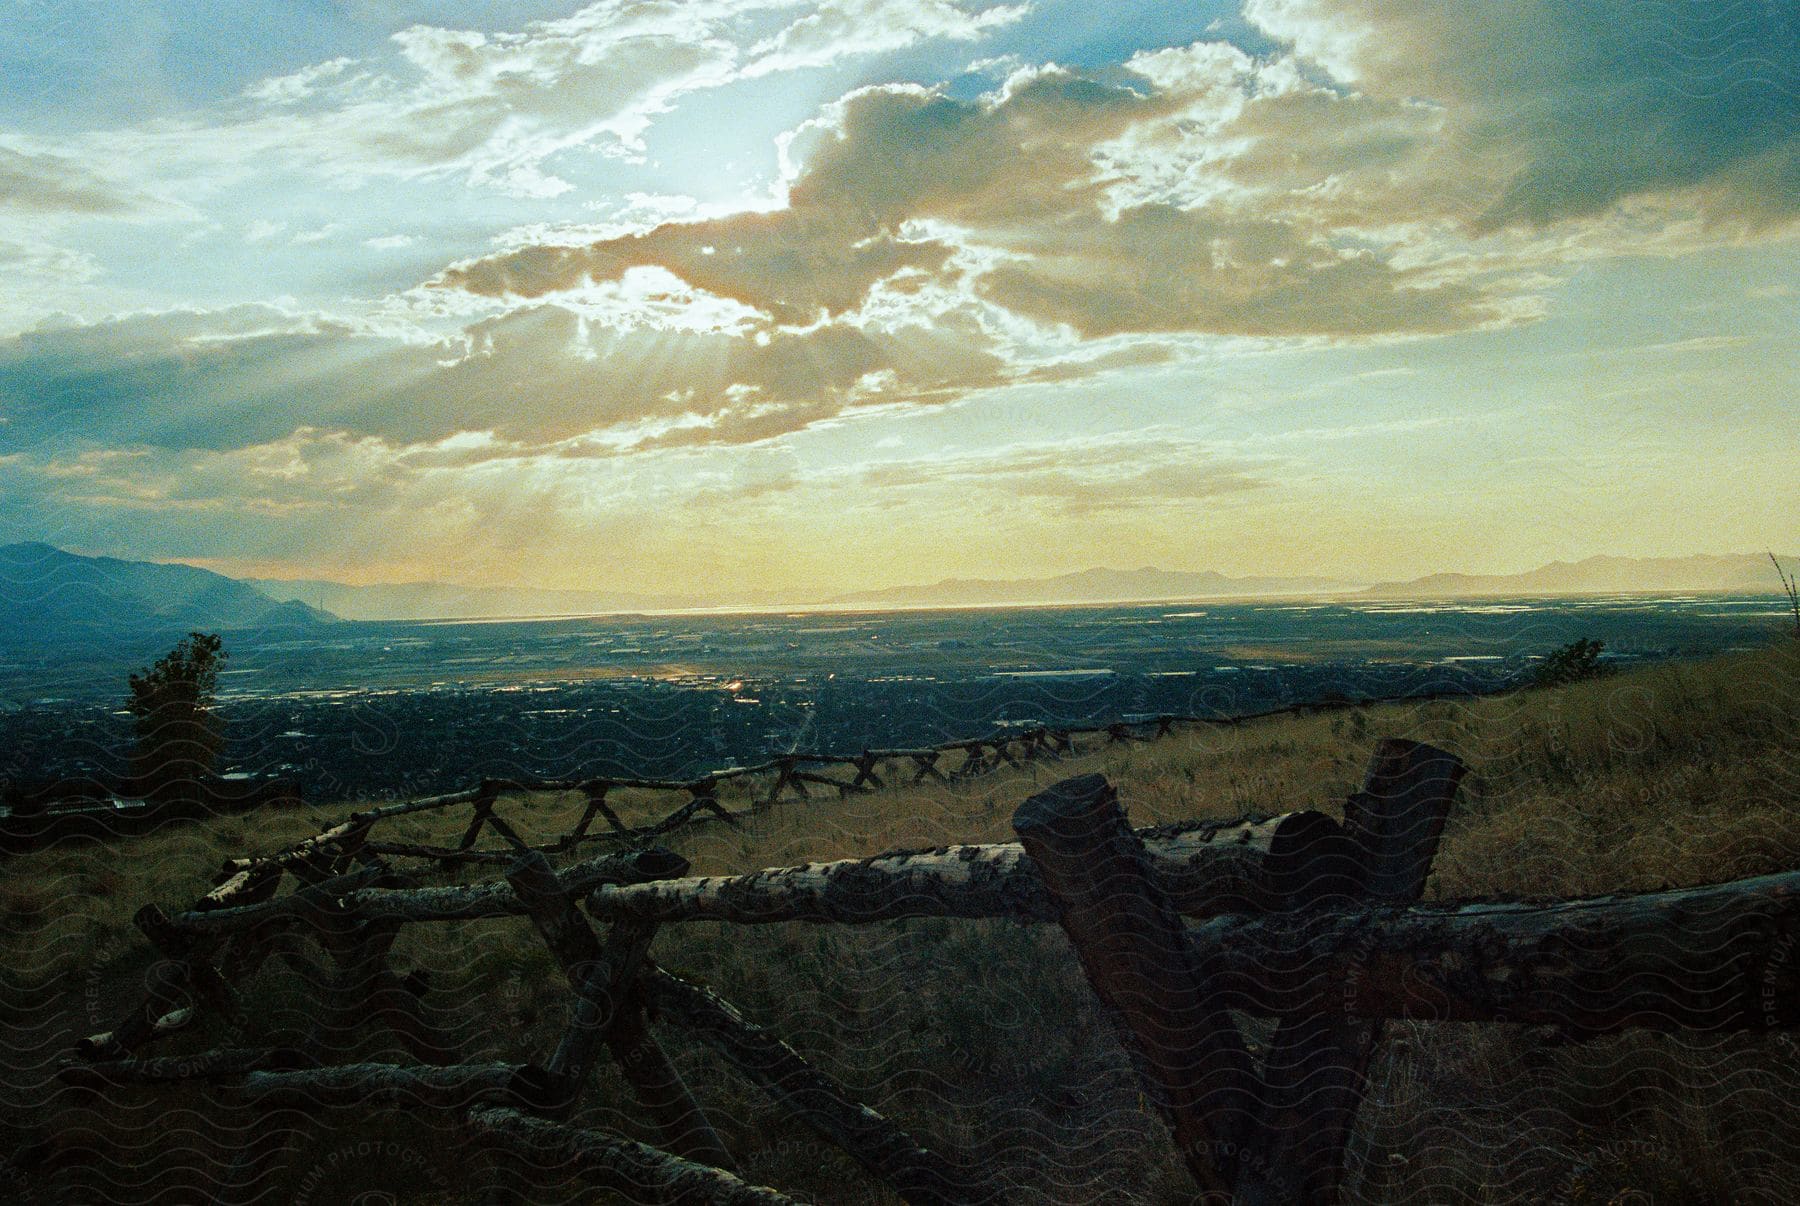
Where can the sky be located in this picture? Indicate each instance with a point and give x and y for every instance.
(752, 295)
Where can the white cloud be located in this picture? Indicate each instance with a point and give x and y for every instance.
(839, 29)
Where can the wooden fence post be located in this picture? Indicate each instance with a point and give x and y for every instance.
(596, 806)
(609, 1010)
(927, 764)
(1316, 1070)
(784, 777)
(639, 1173)
(1132, 944)
(865, 764)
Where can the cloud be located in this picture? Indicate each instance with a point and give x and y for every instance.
(186, 378)
(1386, 171)
(1011, 195)
(617, 373)
(1134, 472)
(494, 108)
(1548, 111)
(42, 183)
(839, 28)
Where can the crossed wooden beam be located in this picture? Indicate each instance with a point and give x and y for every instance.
(1303, 919)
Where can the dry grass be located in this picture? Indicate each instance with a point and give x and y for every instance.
(984, 1035)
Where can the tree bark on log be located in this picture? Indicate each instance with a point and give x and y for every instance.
(1132, 944)
(463, 902)
(248, 886)
(1315, 1074)
(217, 1064)
(609, 1011)
(204, 983)
(913, 1171)
(640, 1173)
(1719, 957)
(115, 1044)
(1205, 870)
(427, 804)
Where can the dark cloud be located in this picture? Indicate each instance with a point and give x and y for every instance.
(217, 379)
(533, 376)
(1562, 110)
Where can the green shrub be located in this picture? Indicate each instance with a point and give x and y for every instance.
(1572, 663)
(179, 736)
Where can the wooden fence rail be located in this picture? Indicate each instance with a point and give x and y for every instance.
(245, 879)
(1179, 929)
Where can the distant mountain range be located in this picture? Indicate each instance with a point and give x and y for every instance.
(1744, 573)
(1090, 586)
(447, 601)
(47, 594)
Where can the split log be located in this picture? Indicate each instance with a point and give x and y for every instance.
(783, 778)
(328, 853)
(1132, 945)
(609, 1011)
(447, 855)
(1315, 1074)
(975, 762)
(601, 974)
(340, 840)
(478, 817)
(865, 770)
(596, 806)
(167, 1007)
(800, 778)
(603, 998)
(913, 1171)
(366, 989)
(462, 902)
(1205, 869)
(115, 1044)
(640, 1173)
(220, 1063)
(1716, 958)
(658, 1087)
(204, 983)
(429, 803)
(928, 768)
(250, 885)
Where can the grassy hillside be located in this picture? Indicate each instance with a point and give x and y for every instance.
(984, 1034)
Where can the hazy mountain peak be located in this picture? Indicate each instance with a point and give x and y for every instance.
(50, 594)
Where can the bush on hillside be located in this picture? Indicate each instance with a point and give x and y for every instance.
(1571, 664)
(179, 737)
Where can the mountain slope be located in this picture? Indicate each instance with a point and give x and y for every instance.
(49, 594)
(1745, 573)
(448, 601)
(1089, 586)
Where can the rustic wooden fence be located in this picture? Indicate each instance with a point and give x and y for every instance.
(1180, 929)
(781, 776)
(88, 808)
